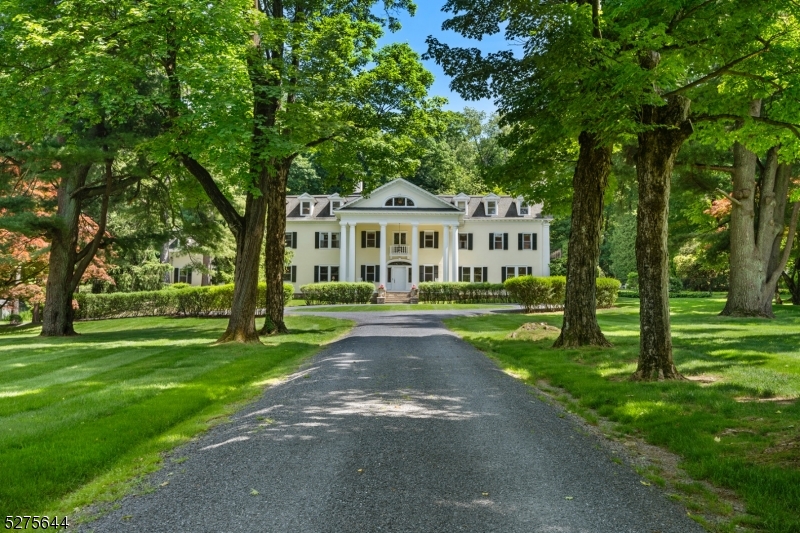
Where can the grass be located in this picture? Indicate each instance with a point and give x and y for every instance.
(398, 307)
(736, 425)
(82, 418)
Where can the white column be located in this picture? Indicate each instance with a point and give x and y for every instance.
(455, 253)
(415, 254)
(446, 255)
(384, 281)
(351, 250)
(343, 252)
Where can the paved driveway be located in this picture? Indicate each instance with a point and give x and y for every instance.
(399, 427)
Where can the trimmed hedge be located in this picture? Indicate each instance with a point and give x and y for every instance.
(462, 292)
(539, 293)
(214, 300)
(337, 292)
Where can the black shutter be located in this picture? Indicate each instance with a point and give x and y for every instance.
(294, 239)
(469, 241)
(176, 275)
(421, 273)
(460, 271)
(363, 239)
(435, 239)
(530, 271)
(422, 239)
(486, 274)
(377, 273)
(519, 241)
(294, 274)
(503, 275)
(505, 241)
(316, 239)
(363, 272)
(189, 276)
(534, 241)
(491, 241)
(377, 239)
(316, 274)
(435, 272)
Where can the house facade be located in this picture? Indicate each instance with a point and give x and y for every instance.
(401, 235)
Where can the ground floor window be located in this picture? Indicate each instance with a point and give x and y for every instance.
(290, 273)
(428, 272)
(473, 274)
(182, 275)
(371, 273)
(323, 273)
(509, 272)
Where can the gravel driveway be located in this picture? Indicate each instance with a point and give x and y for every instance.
(402, 427)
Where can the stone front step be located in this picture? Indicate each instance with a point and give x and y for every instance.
(397, 298)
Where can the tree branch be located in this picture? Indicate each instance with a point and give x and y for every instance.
(232, 218)
(718, 168)
(721, 70)
(787, 250)
(729, 197)
(86, 255)
(91, 191)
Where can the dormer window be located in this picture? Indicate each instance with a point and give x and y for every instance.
(524, 210)
(399, 201)
(461, 202)
(491, 208)
(462, 205)
(336, 204)
(306, 209)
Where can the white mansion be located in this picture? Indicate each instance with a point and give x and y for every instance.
(401, 235)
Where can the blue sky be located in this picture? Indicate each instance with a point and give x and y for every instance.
(428, 21)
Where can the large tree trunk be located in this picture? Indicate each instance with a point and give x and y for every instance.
(589, 183)
(756, 231)
(654, 162)
(274, 257)
(242, 323)
(58, 316)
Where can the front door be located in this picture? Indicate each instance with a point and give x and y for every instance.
(398, 278)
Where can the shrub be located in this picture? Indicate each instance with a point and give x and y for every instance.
(214, 300)
(632, 283)
(337, 292)
(178, 286)
(548, 293)
(462, 292)
(607, 292)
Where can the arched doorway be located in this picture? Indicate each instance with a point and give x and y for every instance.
(398, 276)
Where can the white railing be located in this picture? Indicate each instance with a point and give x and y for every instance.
(399, 249)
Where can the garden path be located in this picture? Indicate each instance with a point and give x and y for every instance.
(403, 427)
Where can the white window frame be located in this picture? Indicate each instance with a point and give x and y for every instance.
(425, 236)
(491, 205)
(524, 209)
(477, 271)
(328, 273)
(401, 236)
(306, 205)
(502, 241)
(374, 235)
(407, 202)
(334, 239)
(468, 274)
(516, 271)
(463, 238)
(425, 273)
(336, 204)
(462, 205)
(324, 240)
(529, 244)
(371, 276)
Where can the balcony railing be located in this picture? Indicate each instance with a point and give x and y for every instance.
(398, 249)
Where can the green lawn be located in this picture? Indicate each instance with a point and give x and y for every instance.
(81, 418)
(372, 308)
(737, 425)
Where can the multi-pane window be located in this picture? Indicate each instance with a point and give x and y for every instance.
(336, 204)
(509, 272)
(462, 204)
(429, 239)
(428, 272)
(399, 201)
(372, 239)
(290, 273)
(400, 237)
(524, 209)
(326, 239)
(526, 241)
(498, 241)
(305, 208)
(325, 273)
(182, 275)
(291, 239)
(491, 208)
(465, 241)
(371, 273)
(472, 274)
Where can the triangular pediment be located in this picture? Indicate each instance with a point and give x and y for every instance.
(400, 188)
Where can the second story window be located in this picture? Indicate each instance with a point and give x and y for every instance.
(305, 209)
(491, 208)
